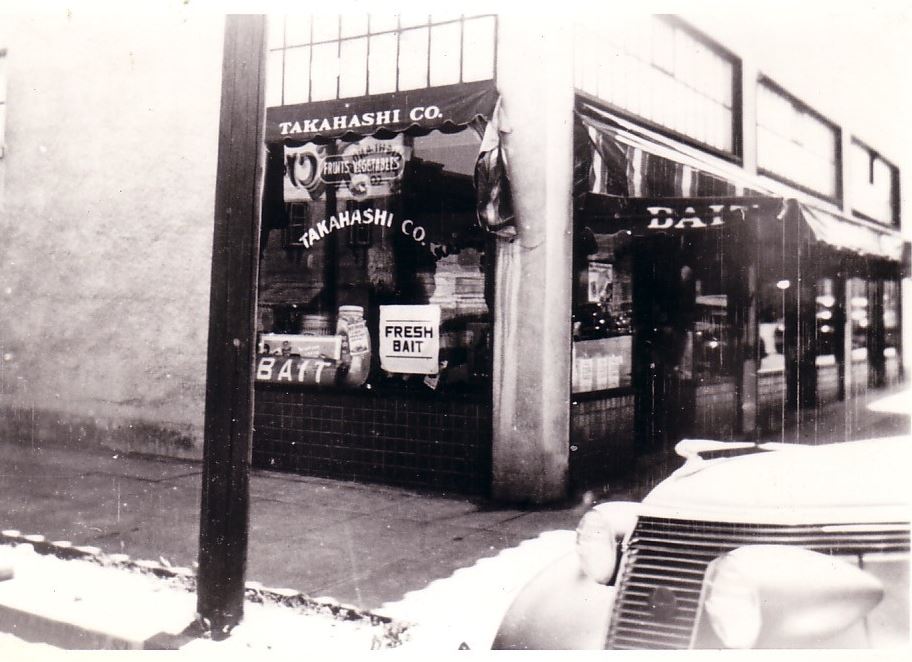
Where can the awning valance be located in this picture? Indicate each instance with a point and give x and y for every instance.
(446, 108)
(852, 236)
(623, 171)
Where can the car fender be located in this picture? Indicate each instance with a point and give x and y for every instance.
(560, 609)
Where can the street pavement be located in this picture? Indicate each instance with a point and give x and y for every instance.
(388, 549)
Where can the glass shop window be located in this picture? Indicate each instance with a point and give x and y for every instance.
(602, 312)
(857, 292)
(826, 324)
(771, 317)
(711, 343)
(373, 274)
(891, 319)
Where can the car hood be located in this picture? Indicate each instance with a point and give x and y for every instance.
(859, 481)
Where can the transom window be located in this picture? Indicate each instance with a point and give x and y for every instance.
(317, 58)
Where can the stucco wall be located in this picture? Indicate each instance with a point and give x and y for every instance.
(106, 223)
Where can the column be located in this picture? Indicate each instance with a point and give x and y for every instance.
(531, 389)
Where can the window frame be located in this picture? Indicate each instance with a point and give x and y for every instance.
(285, 47)
(736, 155)
(839, 160)
(895, 178)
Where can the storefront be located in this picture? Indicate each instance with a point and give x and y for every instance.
(509, 287)
(374, 309)
(708, 305)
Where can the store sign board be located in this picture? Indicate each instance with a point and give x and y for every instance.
(410, 339)
(647, 215)
(362, 170)
(428, 108)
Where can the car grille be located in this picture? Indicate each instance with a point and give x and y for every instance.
(659, 589)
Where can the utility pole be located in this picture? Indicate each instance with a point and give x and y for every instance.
(224, 508)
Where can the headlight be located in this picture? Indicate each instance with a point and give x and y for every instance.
(597, 537)
(732, 604)
(781, 596)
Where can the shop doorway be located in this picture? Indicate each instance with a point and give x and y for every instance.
(662, 311)
(684, 359)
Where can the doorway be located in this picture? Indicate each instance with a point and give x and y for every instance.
(684, 354)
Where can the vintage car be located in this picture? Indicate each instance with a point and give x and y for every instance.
(744, 546)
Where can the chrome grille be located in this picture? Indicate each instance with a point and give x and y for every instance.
(659, 590)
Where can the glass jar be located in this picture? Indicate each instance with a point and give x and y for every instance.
(356, 345)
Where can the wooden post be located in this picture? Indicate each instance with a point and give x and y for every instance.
(224, 507)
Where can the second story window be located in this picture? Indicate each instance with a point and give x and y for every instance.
(873, 185)
(660, 70)
(795, 143)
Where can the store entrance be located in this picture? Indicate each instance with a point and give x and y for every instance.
(683, 341)
(663, 301)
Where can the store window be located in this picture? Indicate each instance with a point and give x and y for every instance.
(771, 316)
(374, 274)
(664, 72)
(857, 292)
(826, 322)
(602, 310)
(891, 320)
(795, 143)
(712, 333)
(321, 57)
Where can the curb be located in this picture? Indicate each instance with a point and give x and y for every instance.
(181, 577)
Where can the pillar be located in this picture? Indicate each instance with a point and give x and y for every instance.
(531, 389)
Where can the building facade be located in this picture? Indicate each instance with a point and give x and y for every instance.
(470, 278)
(107, 177)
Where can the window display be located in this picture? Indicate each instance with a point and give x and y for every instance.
(826, 322)
(373, 268)
(891, 319)
(857, 291)
(602, 334)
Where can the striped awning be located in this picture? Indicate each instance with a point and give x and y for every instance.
(617, 159)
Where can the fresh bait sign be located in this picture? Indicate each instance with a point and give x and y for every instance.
(410, 339)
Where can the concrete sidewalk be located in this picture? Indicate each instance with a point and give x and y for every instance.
(359, 544)
(364, 545)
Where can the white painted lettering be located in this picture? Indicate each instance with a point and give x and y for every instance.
(285, 371)
(264, 370)
(717, 214)
(690, 217)
(662, 218)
